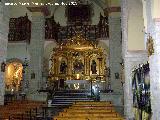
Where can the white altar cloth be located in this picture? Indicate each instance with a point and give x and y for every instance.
(76, 81)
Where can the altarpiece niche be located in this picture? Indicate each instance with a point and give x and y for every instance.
(78, 59)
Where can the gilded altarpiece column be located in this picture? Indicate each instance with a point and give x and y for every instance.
(56, 63)
(100, 66)
(88, 66)
(69, 63)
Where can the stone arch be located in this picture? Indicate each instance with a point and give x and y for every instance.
(13, 75)
(55, 10)
(135, 26)
(14, 60)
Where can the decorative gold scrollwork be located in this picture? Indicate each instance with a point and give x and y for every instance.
(150, 45)
(82, 60)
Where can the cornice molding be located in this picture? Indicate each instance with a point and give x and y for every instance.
(42, 9)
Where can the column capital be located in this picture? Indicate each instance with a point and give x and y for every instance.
(40, 9)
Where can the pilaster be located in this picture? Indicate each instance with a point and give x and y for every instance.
(36, 49)
(155, 72)
(131, 60)
(115, 57)
(4, 25)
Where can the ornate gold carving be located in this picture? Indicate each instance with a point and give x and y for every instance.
(78, 53)
(150, 45)
(78, 42)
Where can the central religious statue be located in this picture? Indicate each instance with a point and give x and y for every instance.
(78, 65)
(78, 56)
(93, 67)
(63, 67)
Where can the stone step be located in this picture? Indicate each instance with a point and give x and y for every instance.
(71, 94)
(74, 91)
(59, 105)
(65, 98)
(71, 100)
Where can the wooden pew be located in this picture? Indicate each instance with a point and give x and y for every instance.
(89, 111)
(87, 118)
(18, 109)
(90, 115)
(92, 103)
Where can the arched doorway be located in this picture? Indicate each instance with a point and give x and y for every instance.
(13, 76)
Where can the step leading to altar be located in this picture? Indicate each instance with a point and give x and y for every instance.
(116, 98)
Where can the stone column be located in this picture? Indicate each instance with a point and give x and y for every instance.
(131, 60)
(115, 56)
(154, 61)
(4, 25)
(36, 50)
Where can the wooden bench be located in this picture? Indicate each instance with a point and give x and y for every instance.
(89, 111)
(87, 118)
(89, 114)
(20, 109)
(92, 103)
(90, 107)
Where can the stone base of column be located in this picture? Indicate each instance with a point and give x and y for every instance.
(154, 83)
(130, 118)
(116, 99)
(1, 100)
(37, 97)
(2, 88)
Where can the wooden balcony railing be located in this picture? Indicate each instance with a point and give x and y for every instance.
(19, 29)
(59, 33)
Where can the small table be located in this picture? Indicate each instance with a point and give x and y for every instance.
(82, 83)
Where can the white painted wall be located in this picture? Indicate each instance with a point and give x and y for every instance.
(59, 14)
(17, 50)
(155, 8)
(135, 26)
(19, 10)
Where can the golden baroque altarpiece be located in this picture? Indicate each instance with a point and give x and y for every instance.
(78, 59)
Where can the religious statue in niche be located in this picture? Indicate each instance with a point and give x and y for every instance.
(78, 65)
(93, 67)
(63, 67)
